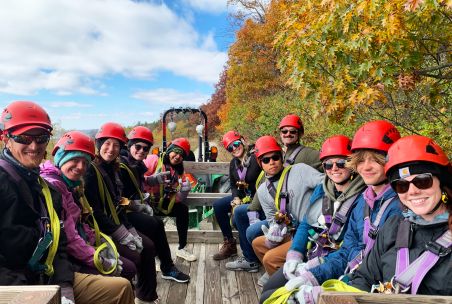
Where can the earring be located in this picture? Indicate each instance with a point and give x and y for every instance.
(444, 198)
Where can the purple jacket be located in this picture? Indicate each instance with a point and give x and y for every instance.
(77, 247)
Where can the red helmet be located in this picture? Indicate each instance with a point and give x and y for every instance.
(292, 120)
(337, 145)
(230, 137)
(415, 148)
(112, 130)
(75, 141)
(143, 133)
(182, 143)
(20, 116)
(266, 144)
(375, 135)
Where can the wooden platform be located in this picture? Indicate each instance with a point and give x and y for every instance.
(211, 282)
(38, 294)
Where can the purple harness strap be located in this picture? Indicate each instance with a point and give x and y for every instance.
(411, 275)
(283, 195)
(340, 216)
(291, 159)
(242, 173)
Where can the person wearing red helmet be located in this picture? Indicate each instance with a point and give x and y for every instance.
(284, 197)
(72, 154)
(104, 191)
(413, 253)
(170, 189)
(243, 173)
(140, 213)
(375, 205)
(325, 224)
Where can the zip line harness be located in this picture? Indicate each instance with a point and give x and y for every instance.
(281, 197)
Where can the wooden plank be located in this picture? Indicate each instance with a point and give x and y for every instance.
(204, 199)
(199, 236)
(200, 276)
(33, 294)
(229, 285)
(206, 168)
(212, 284)
(178, 291)
(371, 298)
(247, 290)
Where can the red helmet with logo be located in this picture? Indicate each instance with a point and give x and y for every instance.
(376, 135)
(75, 141)
(415, 148)
(21, 116)
(112, 130)
(337, 145)
(266, 144)
(230, 137)
(143, 133)
(294, 121)
(182, 143)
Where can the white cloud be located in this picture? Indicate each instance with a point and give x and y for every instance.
(213, 6)
(66, 46)
(68, 104)
(172, 97)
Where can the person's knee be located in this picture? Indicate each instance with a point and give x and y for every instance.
(120, 291)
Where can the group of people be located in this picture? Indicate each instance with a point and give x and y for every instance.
(376, 220)
(85, 221)
(371, 212)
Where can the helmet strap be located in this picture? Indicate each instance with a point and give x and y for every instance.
(436, 207)
(385, 181)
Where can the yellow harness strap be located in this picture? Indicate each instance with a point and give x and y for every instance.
(105, 194)
(98, 234)
(133, 179)
(280, 184)
(338, 285)
(54, 227)
(280, 296)
(259, 179)
(167, 211)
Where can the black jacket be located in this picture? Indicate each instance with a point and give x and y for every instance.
(380, 263)
(252, 174)
(102, 212)
(138, 169)
(22, 205)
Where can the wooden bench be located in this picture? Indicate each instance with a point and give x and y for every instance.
(375, 298)
(35, 294)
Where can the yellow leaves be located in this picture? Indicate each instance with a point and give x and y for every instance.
(412, 5)
(365, 95)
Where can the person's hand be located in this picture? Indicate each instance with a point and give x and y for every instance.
(293, 259)
(308, 294)
(274, 235)
(185, 186)
(65, 300)
(137, 206)
(108, 260)
(157, 178)
(305, 278)
(235, 202)
(253, 217)
(124, 237)
(137, 239)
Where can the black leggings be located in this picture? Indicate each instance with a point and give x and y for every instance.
(180, 212)
(276, 281)
(154, 228)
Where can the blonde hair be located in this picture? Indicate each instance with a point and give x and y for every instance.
(361, 155)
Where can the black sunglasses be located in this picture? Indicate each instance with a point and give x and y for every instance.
(293, 132)
(28, 139)
(234, 146)
(328, 165)
(138, 147)
(422, 181)
(275, 157)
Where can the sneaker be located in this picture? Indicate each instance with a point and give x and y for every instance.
(188, 256)
(263, 279)
(228, 249)
(175, 275)
(242, 264)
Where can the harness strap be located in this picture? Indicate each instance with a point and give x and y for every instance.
(259, 178)
(291, 159)
(411, 275)
(171, 197)
(281, 198)
(10, 170)
(341, 215)
(105, 195)
(133, 179)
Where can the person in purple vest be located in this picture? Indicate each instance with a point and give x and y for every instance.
(375, 205)
(243, 173)
(413, 255)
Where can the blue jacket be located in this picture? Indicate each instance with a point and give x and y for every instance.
(336, 262)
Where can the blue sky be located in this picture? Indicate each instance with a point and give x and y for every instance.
(92, 61)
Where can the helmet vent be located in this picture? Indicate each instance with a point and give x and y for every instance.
(430, 149)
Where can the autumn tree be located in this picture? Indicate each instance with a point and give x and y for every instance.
(358, 60)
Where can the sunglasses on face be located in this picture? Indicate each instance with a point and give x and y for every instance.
(234, 146)
(340, 164)
(28, 139)
(275, 157)
(138, 147)
(293, 132)
(422, 181)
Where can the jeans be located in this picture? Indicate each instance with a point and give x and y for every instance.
(222, 208)
(248, 233)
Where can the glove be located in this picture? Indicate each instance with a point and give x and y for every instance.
(108, 259)
(305, 278)
(235, 202)
(124, 237)
(308, 294)
(184, 186)
(137, 206)
(65, 300)
(67, 294)
(293, 259)
(157, 178)
(274, 235)
(253, 217)
(137, 239)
